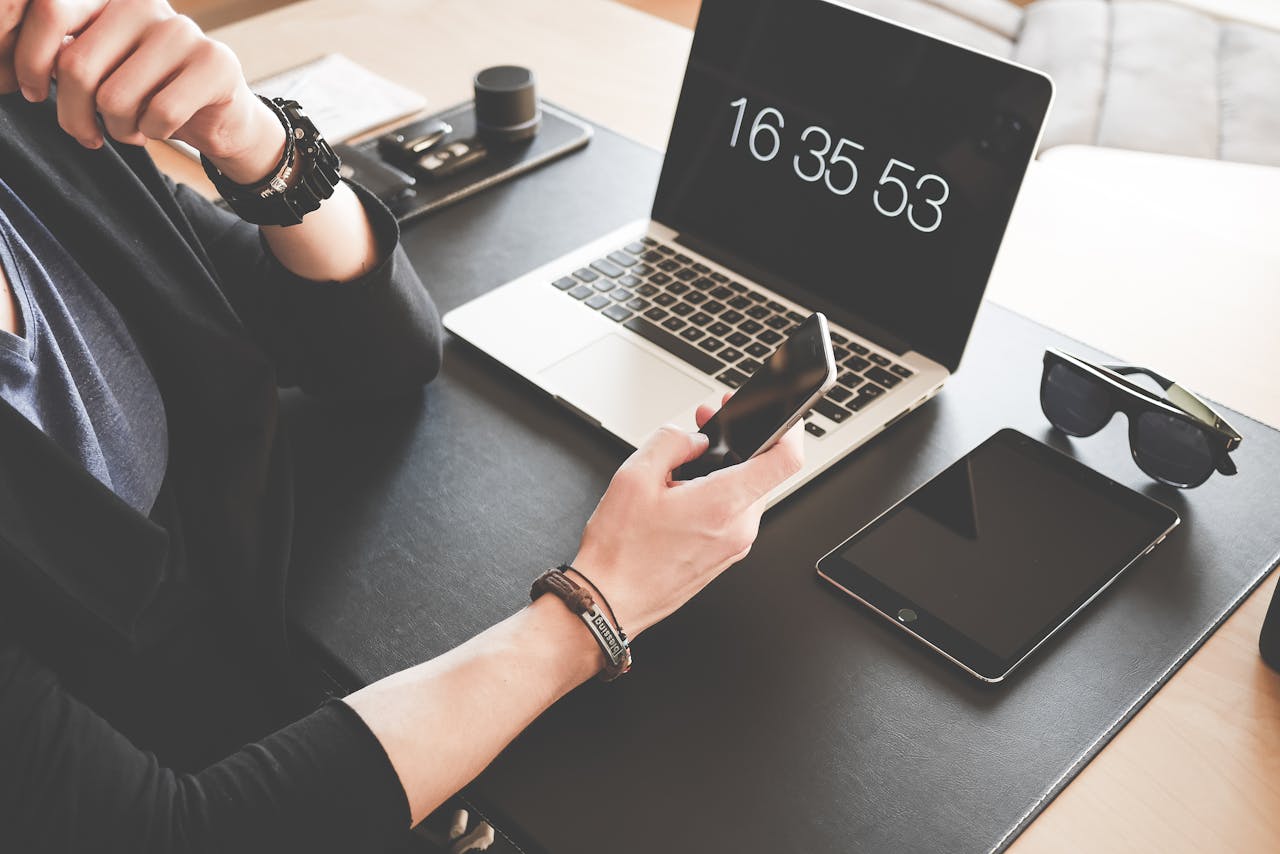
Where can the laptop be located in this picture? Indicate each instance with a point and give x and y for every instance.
(820, 159)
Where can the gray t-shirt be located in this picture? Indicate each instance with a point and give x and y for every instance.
(74, 371)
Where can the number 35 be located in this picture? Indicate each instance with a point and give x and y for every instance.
(822, 169)
(904, 202)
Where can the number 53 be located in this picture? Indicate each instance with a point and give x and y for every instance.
(905, 201)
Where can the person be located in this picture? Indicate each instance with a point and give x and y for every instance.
(145, 481)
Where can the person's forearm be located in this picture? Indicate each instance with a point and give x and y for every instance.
(334, 243)
(443, 721)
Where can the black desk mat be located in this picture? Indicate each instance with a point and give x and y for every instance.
(770, 715)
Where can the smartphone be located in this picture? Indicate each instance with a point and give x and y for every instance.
(769, 404)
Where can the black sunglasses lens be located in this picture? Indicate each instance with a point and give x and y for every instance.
(1073, 401)
(1172, 449)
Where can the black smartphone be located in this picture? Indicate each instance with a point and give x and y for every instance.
(769, 404)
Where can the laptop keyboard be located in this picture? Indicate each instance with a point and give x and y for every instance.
(722, 327)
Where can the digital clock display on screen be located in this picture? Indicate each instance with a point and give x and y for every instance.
(863, 165)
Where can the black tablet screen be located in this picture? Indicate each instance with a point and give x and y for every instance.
(1007, 542)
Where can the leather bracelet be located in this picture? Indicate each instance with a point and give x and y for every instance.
(614, 645)
(567, 568)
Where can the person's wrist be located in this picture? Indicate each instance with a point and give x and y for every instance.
(257, 149)
(565, 631)
(594, 573)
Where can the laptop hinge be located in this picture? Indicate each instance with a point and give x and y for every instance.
(849, 320)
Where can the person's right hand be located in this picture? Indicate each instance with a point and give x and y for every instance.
(652, 544)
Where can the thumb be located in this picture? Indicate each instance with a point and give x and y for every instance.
(669, 448)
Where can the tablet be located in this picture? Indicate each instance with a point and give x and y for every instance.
(990, 558)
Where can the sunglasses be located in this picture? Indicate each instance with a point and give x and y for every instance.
(1176, 438)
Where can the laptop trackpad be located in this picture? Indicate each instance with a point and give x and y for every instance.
(626, 389)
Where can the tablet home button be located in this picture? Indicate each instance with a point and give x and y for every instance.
(906, 615)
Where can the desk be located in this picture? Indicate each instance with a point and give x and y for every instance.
(1199, 767)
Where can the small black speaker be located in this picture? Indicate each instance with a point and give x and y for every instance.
(1269, 641)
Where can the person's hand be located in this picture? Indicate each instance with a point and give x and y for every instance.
(652, 544)
(149, 72)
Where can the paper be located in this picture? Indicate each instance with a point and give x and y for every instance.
(344, 99)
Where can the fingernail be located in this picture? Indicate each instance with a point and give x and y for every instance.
(30, 94)
(93, 142)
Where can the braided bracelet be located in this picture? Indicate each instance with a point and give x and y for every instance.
(612, 642)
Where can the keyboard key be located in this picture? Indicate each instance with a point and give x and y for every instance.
(729, 354)
(665, 250)
(840, 353)
(813, 429)
(647, 290)
(849, 379)
(839, 393)
(730, 317)
(749, 366)
(858, 348)
(721, 293)
(630, 281)
(713, 307)
(622, 259)
(616, 312)
(704, 362)
(750, 327)
(700, 319)
(565, 283)
(682, 309)
(587, 275)
(902, 371)
(652, 256)
(598, 301)
(620, 294)
(739, 287)
(634, 248)
(648, 241)
(739, 302)
(605, 284)
(737, 339)
(753, 296)
(660, 278)
(711, 344)
(796, 317)
(777, 322)
(880, 360)
(769, 337)
(704, 284)
(883, 377)
(581, 292)
(686, 275)
(870, 390)
(675, 324)
(638, 304)
(693, 333)
(837, 338)
(668, 266)
(719, 329)
(759, 312)
(777, 306)
(702, 268)
(732, 378)
(759, 350)
(857, 363)
(655, 314)
(695, 297)
(641, 270)
(607, 267)
(664, 299)
(676, 287)
(720, 277)
(684, 259)
(836, 413)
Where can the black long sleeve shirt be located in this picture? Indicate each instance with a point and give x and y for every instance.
(90, 587)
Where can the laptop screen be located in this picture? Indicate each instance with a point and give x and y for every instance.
(856, 166)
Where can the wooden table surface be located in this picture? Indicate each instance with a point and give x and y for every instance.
(1179, 251)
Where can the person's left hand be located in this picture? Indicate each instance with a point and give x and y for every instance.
(149, 72)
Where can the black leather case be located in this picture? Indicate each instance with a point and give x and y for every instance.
(771, 714)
